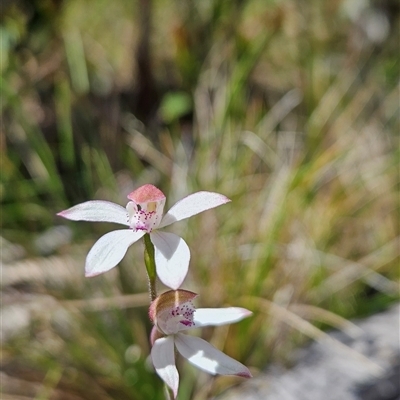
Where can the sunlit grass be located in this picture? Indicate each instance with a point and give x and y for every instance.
(283, 114)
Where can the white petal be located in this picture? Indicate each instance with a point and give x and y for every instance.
(163, 357)
(191, 205)
(172, 257)
(208, 358)
(97, 211)
(109, 250)
(219, 316)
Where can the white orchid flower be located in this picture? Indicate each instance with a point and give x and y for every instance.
(173, 312)
(143, 214)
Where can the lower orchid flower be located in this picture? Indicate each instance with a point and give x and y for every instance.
(143, 214)
(173, 312)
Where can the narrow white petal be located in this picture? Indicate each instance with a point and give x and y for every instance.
(191, 205)
(172, 257)
(97, 211)
(109, 250)
(206, 357)
(219, 316)
(163, 357)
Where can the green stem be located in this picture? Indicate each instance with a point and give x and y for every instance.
(150, 262)
(167, 393)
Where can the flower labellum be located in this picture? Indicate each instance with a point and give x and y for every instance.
(143, 214)
(173, 312)
(146, 208)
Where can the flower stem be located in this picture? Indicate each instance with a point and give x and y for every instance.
(167, 393)
(150, 262)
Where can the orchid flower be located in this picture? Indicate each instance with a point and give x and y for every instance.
(173, 312)
(143, 214)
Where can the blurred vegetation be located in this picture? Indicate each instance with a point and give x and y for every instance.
(290, 108)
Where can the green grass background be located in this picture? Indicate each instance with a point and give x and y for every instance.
(290, 108)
